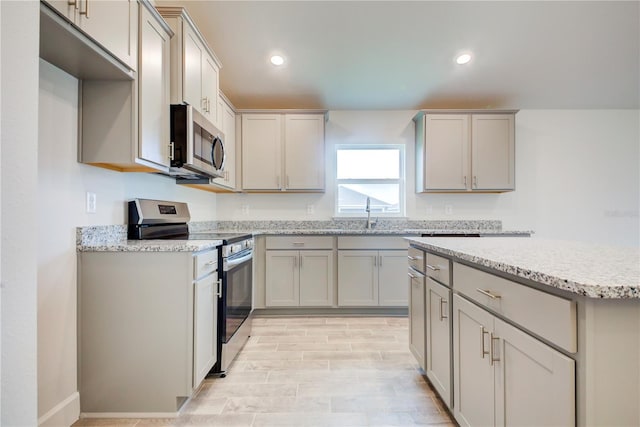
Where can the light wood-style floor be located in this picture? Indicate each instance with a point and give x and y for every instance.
(314, 371)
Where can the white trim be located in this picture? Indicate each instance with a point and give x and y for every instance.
(64, 413)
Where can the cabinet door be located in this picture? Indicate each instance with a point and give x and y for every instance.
(210, 74)
(533, 381)
(304, 151)
(472, 367)
(261, 155)
(193, 53)
(316, 278)
(228, 127)
(358, 278)
(392, 267)
(417, 315)
(493, 151)
(113, 24)
(68, 8)
(205, 317)
(446, 153)
(438, 346)
(282, 279)
(153, 85)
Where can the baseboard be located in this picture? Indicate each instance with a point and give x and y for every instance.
(129, 415)
(63, 414)
(329, 311)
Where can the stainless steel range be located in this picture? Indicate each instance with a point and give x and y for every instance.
(157, 219)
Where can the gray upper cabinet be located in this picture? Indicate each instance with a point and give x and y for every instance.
(195, 69)
(459, 151)
(125, 124)
(113, 24)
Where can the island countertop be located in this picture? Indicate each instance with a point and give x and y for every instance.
(595, 271)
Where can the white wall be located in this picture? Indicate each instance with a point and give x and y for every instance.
(62, 186)
(576, 176)
(19, 88)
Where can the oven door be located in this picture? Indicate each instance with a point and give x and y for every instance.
(236, 293)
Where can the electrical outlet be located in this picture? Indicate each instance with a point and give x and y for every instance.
(448, 209)
(92, 201)
(310, 209)
(245, 209)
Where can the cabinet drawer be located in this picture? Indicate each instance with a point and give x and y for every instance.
(205, 263)
(299, 242)
(416, 259)
(437, 267)
(551, 317)
(372, 242)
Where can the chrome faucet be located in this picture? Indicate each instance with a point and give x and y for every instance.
(370, 223)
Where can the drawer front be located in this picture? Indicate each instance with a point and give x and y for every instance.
(551, 317)
(372, 242)
(205, 263)
(416, 259)
(438, 268)
(299, 242)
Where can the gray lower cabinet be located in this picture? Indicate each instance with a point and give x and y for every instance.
(504, 376)
(417, 315)
(438, 339)
(146, 329)
(299, 278)
(371, 278)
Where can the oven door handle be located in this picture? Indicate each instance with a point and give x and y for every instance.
(230, 264)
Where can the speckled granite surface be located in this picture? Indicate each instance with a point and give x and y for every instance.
(114, 237)
(596, 271)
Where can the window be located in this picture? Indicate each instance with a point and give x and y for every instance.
(370, 171)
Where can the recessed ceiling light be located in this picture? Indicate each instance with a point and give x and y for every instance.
(463, 58)
(277, 60)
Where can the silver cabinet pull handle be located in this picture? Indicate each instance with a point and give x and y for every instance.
(415, 274)
(492, 357)
(465, 181)
(211, 263)
(298, 243)
(73, 3)
(86, 9)
(412, 276)
(488, 294)
(380, 264)
(172, 150)
(219, 294)
(483, 351)
(414, 258)
(375, 261)
(434, 268)
(288, 181)
(301, 262)
(442, 315)
(475, 181)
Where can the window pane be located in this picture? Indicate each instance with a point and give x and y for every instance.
(368, 164)
(352, 198)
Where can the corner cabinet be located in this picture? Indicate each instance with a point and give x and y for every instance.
(125, 124)
(459, 151)
(283, 152)
(195, 69)
(299, 271)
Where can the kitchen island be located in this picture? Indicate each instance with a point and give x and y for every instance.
(541, 332)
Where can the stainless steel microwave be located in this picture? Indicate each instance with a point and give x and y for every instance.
(197, 146)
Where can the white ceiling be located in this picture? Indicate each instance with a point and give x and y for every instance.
(368, 55)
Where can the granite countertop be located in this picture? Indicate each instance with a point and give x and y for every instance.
(150, 246)
(381, 232)
(595, 271)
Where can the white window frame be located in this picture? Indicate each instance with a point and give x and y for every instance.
(401, 181)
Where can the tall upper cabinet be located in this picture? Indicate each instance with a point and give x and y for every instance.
(125, 124)
(195, 69)
(283, 152)
(458, 151)
(112, 23)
